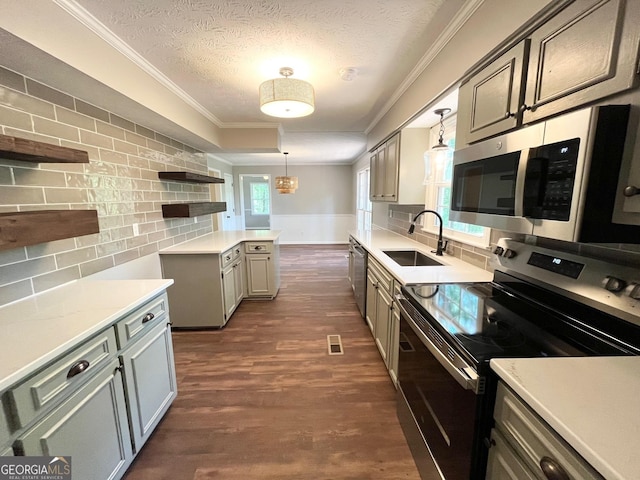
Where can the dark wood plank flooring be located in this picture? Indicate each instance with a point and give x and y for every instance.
(262, 399)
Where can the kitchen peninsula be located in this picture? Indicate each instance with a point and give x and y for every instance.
(215, 272)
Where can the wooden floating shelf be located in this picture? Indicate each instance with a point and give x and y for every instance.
(183, 210)
(19, 229)
(14, 148)
(188, 177)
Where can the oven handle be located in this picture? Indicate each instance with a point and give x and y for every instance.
(466, 377)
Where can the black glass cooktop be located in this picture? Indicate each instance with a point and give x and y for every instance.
(486, 321)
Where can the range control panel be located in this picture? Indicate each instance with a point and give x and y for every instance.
(611, 287)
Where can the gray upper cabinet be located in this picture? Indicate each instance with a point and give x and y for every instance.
(384, 171)
(397, 168)
(586, 52)
(494, 95)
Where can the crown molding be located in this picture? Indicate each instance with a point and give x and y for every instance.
(452, 28)
(93, 24)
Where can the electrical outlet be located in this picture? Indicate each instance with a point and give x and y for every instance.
(195, 219)
(136, 229)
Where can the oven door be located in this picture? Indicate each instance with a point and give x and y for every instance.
(434, 406)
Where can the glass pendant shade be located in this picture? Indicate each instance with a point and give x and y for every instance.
(287, 97)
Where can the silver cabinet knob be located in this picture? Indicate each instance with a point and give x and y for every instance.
(552, 469)
(630, 191)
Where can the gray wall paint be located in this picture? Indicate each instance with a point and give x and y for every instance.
(323, 189)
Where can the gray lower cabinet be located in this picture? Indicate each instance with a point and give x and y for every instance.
(586, 52)
(101, 400)
(263, 269)
(91, 426)
(523, 444)
(5, 436)
(233, 286)
(198, 296)
(150, 380)
(382, 316)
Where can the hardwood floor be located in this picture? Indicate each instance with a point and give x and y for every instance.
(263, 399)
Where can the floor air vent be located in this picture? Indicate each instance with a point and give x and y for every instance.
(334, 344)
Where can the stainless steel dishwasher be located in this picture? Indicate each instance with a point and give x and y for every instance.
(359, 277)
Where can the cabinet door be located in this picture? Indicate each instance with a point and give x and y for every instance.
(391, 159)
(150, 379)
(394, 344)
(90, 426)
(504, 463)
(238, 279)
(229, 290)
(259, 275)
(373, 177)
(372, 298)
(380, 174)
(383, 323)
(586, 52)
(489, 101)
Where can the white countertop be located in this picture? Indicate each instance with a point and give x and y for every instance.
(39, 328)
(592, 402)
(453, 269)
(218, 242)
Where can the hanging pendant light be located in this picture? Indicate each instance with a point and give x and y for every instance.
(436, 156)
(287, 97)
(286, 184)
(441, 145)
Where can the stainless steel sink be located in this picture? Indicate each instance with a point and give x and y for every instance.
(411, 258)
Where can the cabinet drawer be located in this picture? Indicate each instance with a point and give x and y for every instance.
(136, 323)
(4, 429)
(258, 247)
(230, 255)
(534, 440)
(226, 258)
(56, 381)
(385, 280)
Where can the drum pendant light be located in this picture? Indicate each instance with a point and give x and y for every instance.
(287, 97)
(286, 184)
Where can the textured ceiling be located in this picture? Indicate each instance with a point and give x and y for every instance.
(217, 52)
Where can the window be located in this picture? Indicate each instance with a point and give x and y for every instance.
(363, 203)
(259, 198)
(438, 174)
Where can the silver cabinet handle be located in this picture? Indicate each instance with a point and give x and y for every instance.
(630, 191)
(148, 317)
(552, 469)
(78, 368)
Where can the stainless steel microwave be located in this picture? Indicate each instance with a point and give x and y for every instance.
(554, 179)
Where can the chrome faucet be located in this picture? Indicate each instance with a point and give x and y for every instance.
(441, 245)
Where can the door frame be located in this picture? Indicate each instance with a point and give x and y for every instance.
(242, 177)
